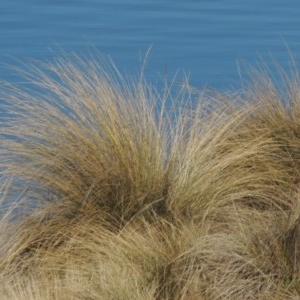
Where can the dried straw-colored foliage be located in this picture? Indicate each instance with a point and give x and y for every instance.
(113, 190)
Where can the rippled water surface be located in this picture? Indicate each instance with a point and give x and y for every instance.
(207, 39)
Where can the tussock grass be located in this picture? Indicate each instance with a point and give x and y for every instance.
(113, 190)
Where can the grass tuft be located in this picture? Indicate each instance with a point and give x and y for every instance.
(111, 189)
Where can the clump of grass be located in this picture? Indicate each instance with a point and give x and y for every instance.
(119, 191)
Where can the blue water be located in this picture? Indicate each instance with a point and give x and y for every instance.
(208, 40)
